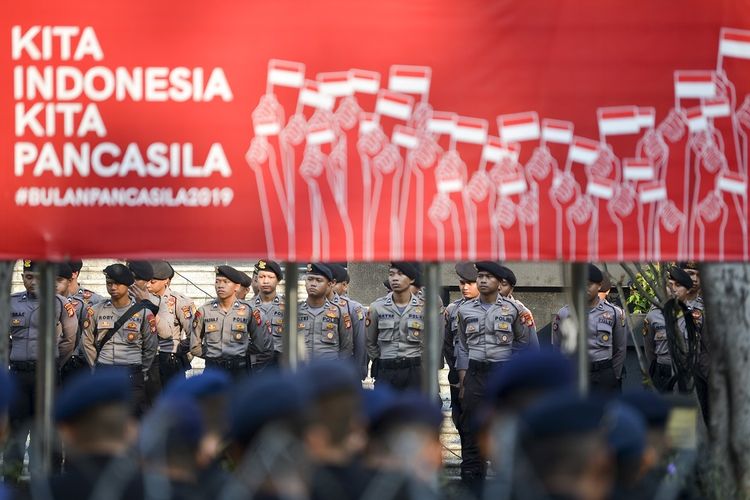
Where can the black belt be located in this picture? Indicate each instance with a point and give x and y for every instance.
(483, 366)
(23, 366)
(228, 363)
(400, 362)
(131, 368)
(601, 365)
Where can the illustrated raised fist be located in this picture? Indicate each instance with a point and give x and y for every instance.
(604, 164)
(347, 113)
(295, 130)
(743, 113)
(450, 173)
(313, 163)
(654, 147)
(710, 208)
(673, 126)
(257, 153)
(372, 142)
(505, 213)
(427, 151)
(671, 217)
(268, 110)
(582, 210)
(479, 186)
(421, 115)
(540, 164)
(563, 187)
(713, 158)
(440, 208)
(528, 209)
(387, 160)
(623, 202)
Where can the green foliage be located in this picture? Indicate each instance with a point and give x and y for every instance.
(638, 302)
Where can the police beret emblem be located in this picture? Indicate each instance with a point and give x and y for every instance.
(309, 268)
(261, 264)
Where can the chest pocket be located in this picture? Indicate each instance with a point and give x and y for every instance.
(660, 332)
(277, 325)
(472, 331)
(131, 331)
(239, 330)
(386, 329)
(212, 332)
(415, 330)
(603, 334)
(503, 332)
(19, 323)
(330, 332)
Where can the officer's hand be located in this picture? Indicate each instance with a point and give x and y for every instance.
(139, 293)
(461, 391)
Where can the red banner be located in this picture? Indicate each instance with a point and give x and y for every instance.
(342, 130)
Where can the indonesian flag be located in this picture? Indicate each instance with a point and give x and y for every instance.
(646, 117)
(406, 137)
(393, 104)
(618, 120)
(471, 130)
(320, 134)
(696, 120)
(266, 125)
(512, 184)
(335, 83)
(519, 127)
(286, 73)
(638, 169)
(494, 151)
(584, 151)
(651, 192)
(364, 81)
(734, 43)
(732, 182)
(410, 79)
(367, 123)
(557, 131)
(310, 95)
(442, 122)
(694, 84)
(715, 108)
(599, 187)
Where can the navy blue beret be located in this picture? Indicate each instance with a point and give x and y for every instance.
(595, 274)
(563, 413)
(63, 270)
(230, 273)
(171, 421)
(681, 277)
(339, 272)
(408, 407)
(320, 269)
(120, 274)
(491, 267)
(626, 432)
(247, 281)
(30, 266)
(407, 268)
(207, 384)
(269, 265)
(376, 401)
(76, 265)
(654, 407)
(323, 377)
(89, 390)
(162, 270)
(466, 271)
(141, 269)
(508, 275)
(544, 370)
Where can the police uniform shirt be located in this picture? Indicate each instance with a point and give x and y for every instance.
(655, 345)
(528, 321)
(490, 332)
(357, 314)
(88, 297)
(450, 332)
(79, 308)
(135, 343)
(24, 327)
(176, 312)
(271, 316)
(222, 334)
(327, 331)
(393, 332)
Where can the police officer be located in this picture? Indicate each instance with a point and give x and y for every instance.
(607, 336)
(694, 300)
(176, 312)
(491, 328)
(268, 309)
(245, 286)
(395, 328)
(75, 288)
(507, 285)
(77, 360)
(222, 328)
(24, 337)
(656, 346)
(338, 295)
(326, 328)
(121, 332)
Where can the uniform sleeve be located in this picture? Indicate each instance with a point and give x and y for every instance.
(529, 326)
(163, 326)
(557, 327)
(649, 341)
(371, 324)
(462, 356)
(149, 341)
(619, 342)
(88, 335)
(358, 332)
(449, 354)
(185, 315)
(346, 334)
(196, 334)
(69, 322)
(524, 321)
(260, 333)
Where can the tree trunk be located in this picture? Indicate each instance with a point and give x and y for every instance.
(6, 273)
(727, 294)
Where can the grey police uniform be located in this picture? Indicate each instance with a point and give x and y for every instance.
(88, 297)
(77, 361)
(327, 331)
(656, 348)
(528, 321)
(450, 352)
(704, 357)
(268, 321)
(174, 328)
(357, 314)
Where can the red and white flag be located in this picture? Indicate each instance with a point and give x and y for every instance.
(410, 79)
(393, 104)
(618, 120)
(584, 151)
(600, 187)
(646, 117)
(266, 125)
(557, 131)
(732, 182)
(286, 73)
(403, 136)
(494, 151)
(519, 127)
(442, 122)
(734, 43)
(320, 134)
(638, 169)
(470, 130)
(367, 123)
(335, 83)
(696, 120)
(310, 95)
(716, 108)
(694, 84)
(364, 81)
(652, 192)
(511, 184)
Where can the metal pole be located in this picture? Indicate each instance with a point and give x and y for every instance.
(290, 358)
(45, 372)
(578, 282)
(434, 340)
(6, 275)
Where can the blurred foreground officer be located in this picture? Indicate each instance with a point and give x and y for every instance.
(268, 309)
(93, 415)
(25, 335)
(607, 336)
(395, 328)
(222, 328)
(75, 288)
(326, 328)
(356, 313)
(122, 332)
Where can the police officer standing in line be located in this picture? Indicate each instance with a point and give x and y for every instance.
(175, 323)
(356, 313)
(268, 311)
(395, 328)
(143, 272)
(507, 284)
(607, 336)
(491, 328)
(76, 361)
(694, 301)
(75, 289)
(326, 327)
(656, 346)
(121, 332)
(25, 332)
(223, 327)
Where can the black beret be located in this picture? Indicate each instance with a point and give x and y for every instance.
(119, 273)
(606, 283)
(653, 406)
(339, 272)
(692, 265)
(30, 266)
(491, 267)
(247, 281)
(407, 268)
(141, 269)
(545, 371)
(269, 265)
(322, 378)
(466, 271)
(508, 275)
(320, 270)
(162, 270)
(64, 270)
(387, 284)
(76, 265)
(563, 413)
(595, 274)
(230, 273)
(88, 390)
(681, 277)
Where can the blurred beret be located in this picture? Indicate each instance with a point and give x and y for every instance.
(176, 421)
(76, 265)
(269, 265)
(418, 280)
(466, 271)
(63, 270)
(247, 281)
(141, 269)
(561, 414)
(606, 283)
(681, 277)
(376, 401)
(162, 270)
(692, 265)
(30, 266)
(119, 273)
(626, 432)
(491, 267)
(654, 407)
(339, 272)
(324, 377)
(408, 407)
(230, 273)
(7, 390)
(207, 384)
(320, 269)
(595, 274)
(543, 371)
(89, 390)
(407, 268)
